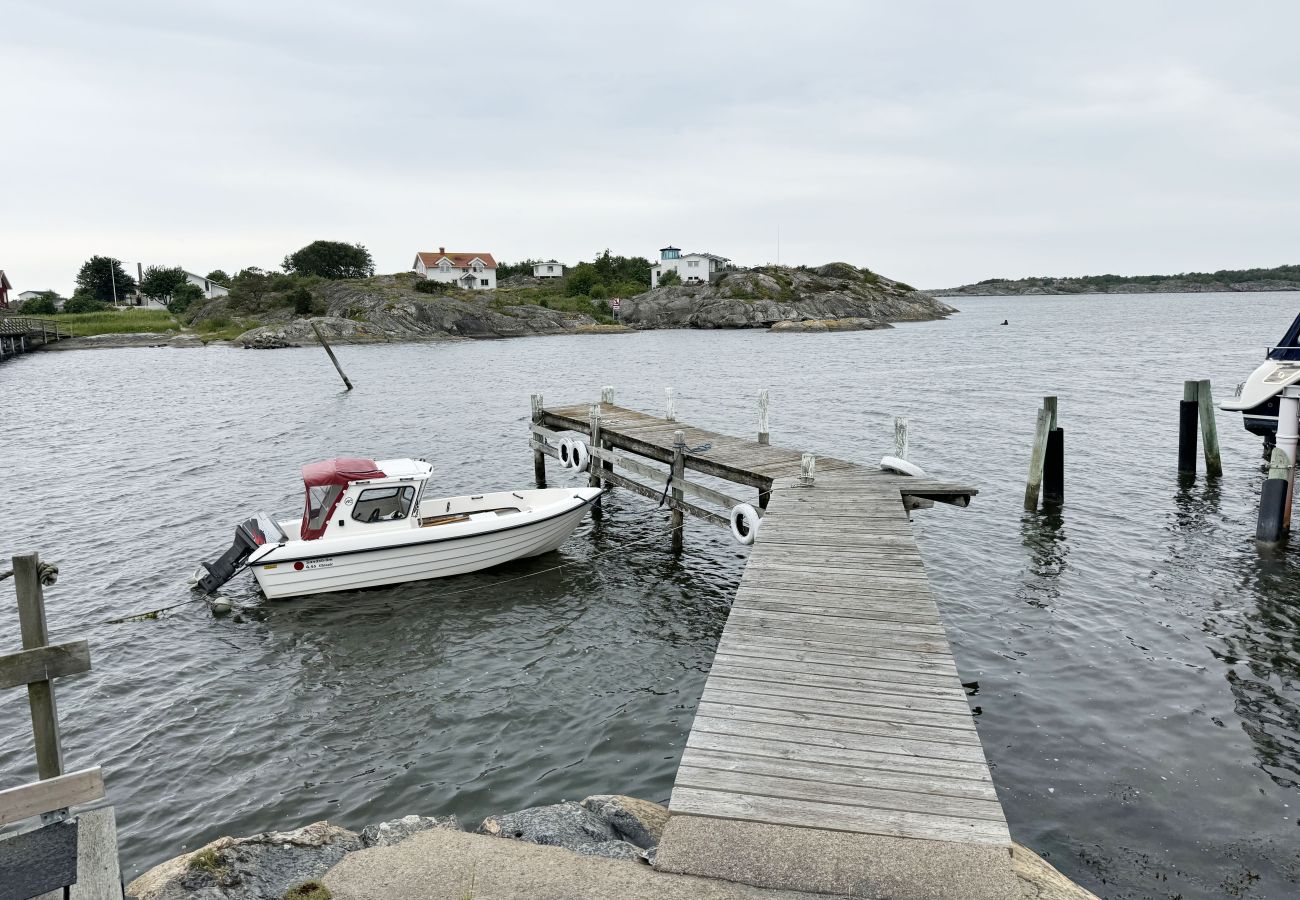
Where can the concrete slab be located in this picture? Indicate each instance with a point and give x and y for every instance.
(453, 865)
(836, 862)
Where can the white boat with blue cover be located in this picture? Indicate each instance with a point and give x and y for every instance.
(368, 523)
(1257, 397)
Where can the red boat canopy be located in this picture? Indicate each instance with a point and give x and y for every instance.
(339, 471)
(325, 482)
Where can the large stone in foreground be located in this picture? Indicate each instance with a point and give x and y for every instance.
(835, 862)
(636, 821)
(261, 867)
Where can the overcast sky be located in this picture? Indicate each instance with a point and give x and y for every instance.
(938, 143)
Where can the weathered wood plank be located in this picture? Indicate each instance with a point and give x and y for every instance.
(44, 663)
(27, 800)
(859, 708)
(848, 724)
(836, 817)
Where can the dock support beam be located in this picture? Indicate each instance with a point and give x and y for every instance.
(670, 407)
(40, 694)
(1269, 529)
(1209, 430)
(762, 417)
(900, 437)
(1188, 411)
(1037, 458)
(539, 458)
(678, 475)
(593, 425)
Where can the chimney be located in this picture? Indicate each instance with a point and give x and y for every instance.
(442, 250)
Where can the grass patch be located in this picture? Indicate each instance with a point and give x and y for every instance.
(125, 321)
(209, 861)
(308, 890)
(222, 328)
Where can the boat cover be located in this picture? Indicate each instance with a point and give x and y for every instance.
(1289, 347)
(325, 482)
(339, 471)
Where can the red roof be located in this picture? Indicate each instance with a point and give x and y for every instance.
(339, 471)
(459, 260)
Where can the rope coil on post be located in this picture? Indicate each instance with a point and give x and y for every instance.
(47, 572)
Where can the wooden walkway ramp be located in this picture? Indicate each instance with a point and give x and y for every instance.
(833, 749)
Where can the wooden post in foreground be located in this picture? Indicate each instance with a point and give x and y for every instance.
(900, 437)
(326, 344)
(607, 395)
(762, 417)
(1187, 415)
(40, 694)
(807, 469)
(1037, 458)
(539, 458)
(678, 475)
(1269, 528)
(1209, 430)
(593, 467)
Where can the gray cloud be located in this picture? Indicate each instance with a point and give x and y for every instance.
(936, 142)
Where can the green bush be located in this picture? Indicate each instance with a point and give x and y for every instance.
(40, 305)
(301, 301)
(182, 296)
(669, 278)
(424, 286)
(598, 292)
(83, 302)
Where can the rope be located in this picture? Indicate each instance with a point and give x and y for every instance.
(46, 573)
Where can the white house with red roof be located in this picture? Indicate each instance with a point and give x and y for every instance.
(472, 271)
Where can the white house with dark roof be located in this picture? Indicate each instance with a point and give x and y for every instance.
(472, 271)
(692, 268)
(548, 269)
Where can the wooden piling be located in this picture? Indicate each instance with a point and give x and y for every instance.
(329, 350)
(900, 437)
(1054, 468)
(593, 468)
(762, 418)
(678, 476)
(1209, 429)
(1037, 458)
(539, 458)
(1188, 412)
(607, 395)
(40, 694)
(1270, 528)
(807, 470)
(1050, 404)
(670, 411)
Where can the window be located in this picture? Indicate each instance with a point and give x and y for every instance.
(693, 263)
(550, 268)
(444, 266)
(483, 282)
(384, 504)
(320, 501)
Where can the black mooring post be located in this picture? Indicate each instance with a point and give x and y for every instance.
(1188, 425)
(1272, 510)
(1054, 468)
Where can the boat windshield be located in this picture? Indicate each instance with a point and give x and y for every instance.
(320, 503)
(1289, 347)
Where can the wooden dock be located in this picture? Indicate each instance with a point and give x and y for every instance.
(20, 334)
(833, 749)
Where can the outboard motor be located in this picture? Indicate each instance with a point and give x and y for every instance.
(248, 537)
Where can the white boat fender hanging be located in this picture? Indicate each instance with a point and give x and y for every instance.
(744, 523)
(581, 456)
(901, 466)
(566, 453)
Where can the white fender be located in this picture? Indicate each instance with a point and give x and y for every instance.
(566, 453)
(581, 456)
(744, 523)
(901, 466)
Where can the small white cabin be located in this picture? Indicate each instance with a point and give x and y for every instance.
(548, 269)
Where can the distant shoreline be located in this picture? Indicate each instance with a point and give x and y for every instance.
(1162, 288)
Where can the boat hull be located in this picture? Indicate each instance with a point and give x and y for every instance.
(414, 560)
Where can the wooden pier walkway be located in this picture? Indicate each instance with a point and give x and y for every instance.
(20, 334)
(833, 749)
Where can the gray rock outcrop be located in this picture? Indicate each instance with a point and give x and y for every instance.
(385, 834)
(565, 824)
(638, 822)
(760, 298)
(261, 867)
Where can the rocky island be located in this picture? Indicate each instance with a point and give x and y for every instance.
(1279, 278)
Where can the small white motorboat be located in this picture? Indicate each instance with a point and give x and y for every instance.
(368, 523)
(1257, 397)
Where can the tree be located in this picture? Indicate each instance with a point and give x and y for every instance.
(301, 299)
(160, 282)
(250, 284)
(219, 277)
(98, 277)
(182, 296)
(508, 270)
(330, 259)
(43, 304)
(669, 278)
(83, 301)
